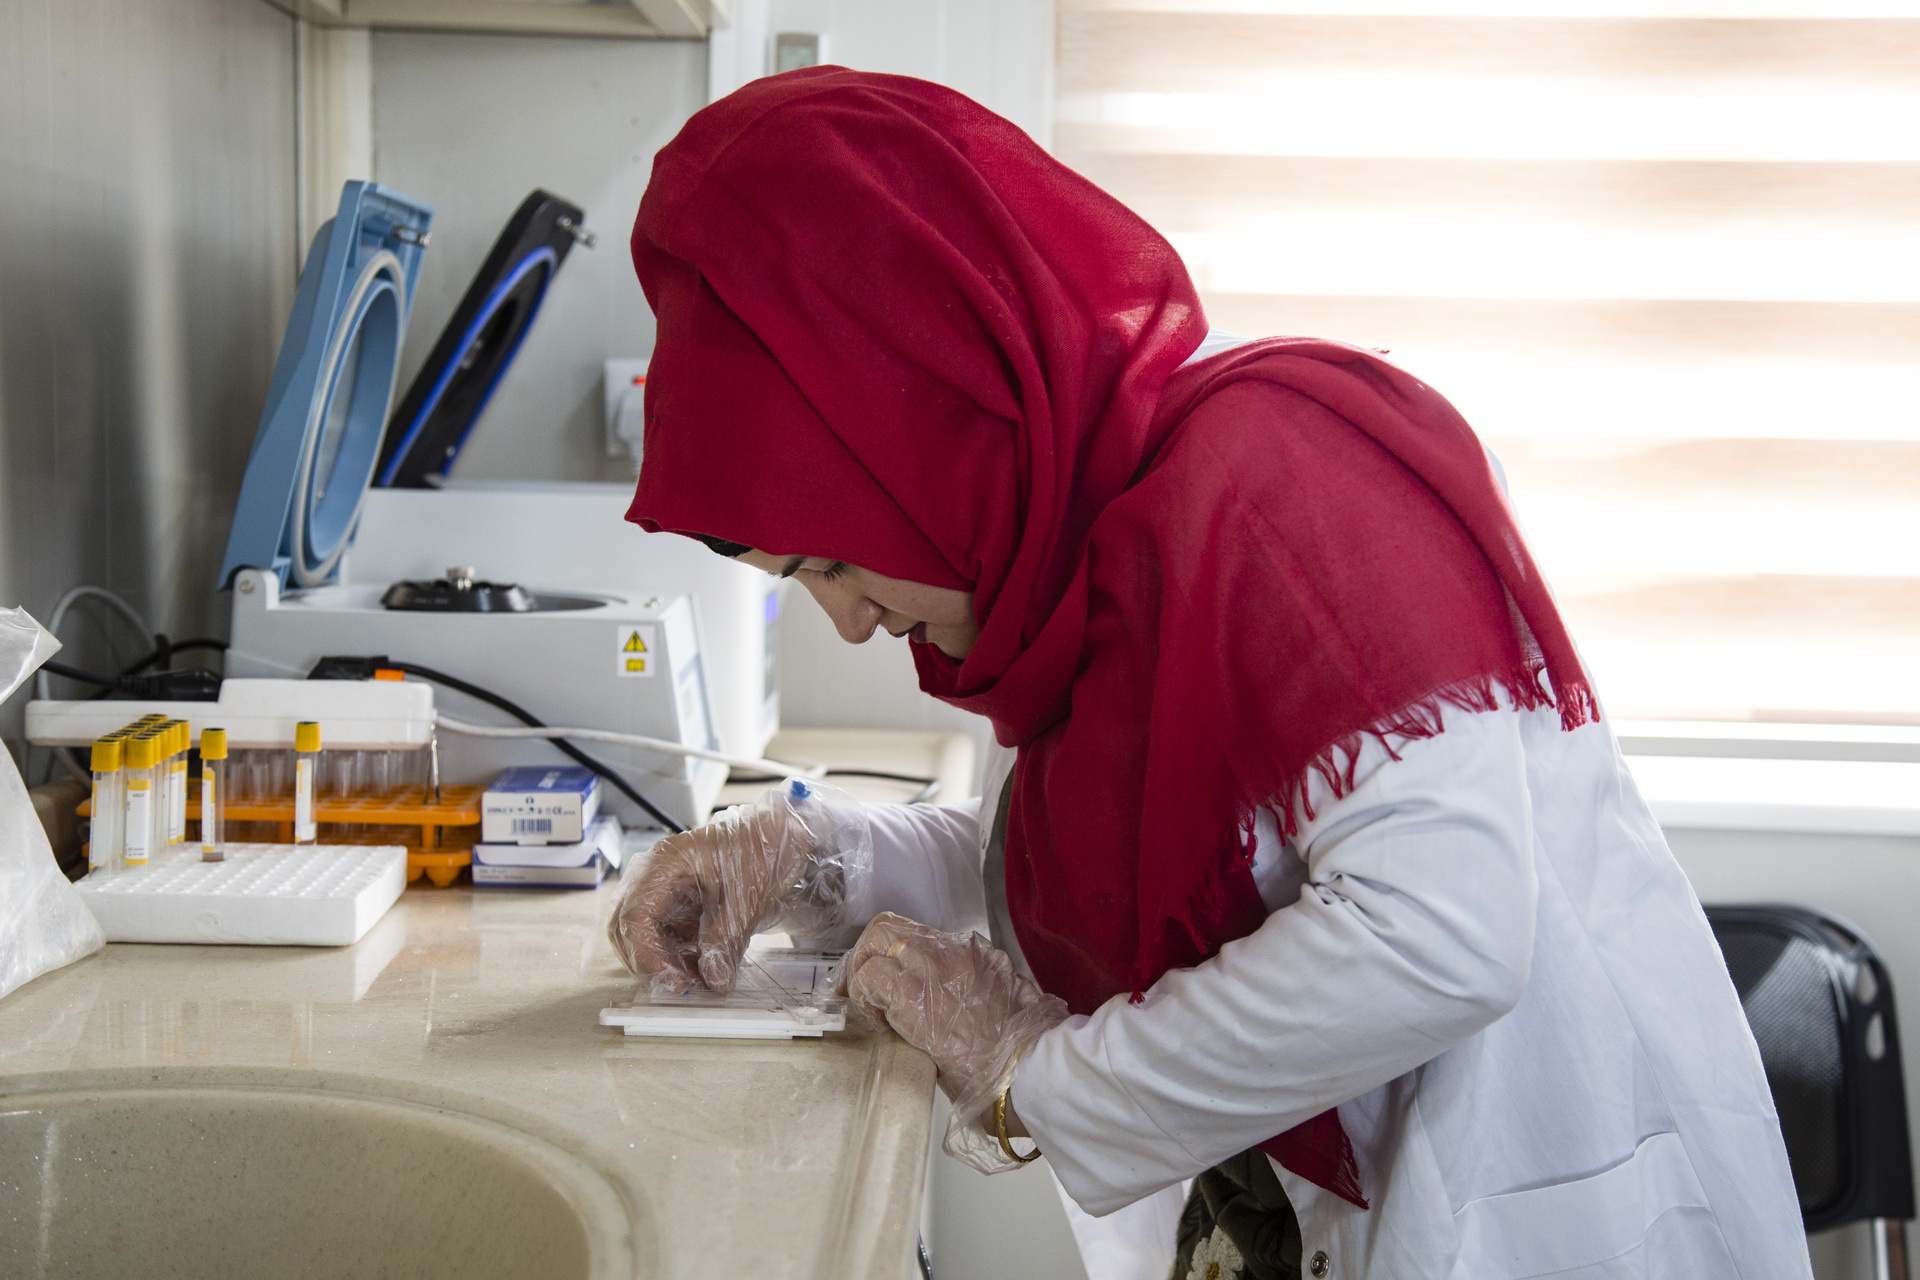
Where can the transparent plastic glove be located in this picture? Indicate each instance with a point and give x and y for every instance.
(958, 999)
(793, 859)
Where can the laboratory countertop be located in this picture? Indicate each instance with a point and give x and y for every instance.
(487, 1001)
(800, 1158)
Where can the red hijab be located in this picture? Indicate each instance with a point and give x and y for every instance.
(894, 331)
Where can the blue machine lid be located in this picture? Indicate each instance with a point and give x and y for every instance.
(332, 390)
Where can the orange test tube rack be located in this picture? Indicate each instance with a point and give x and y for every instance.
(446, 828)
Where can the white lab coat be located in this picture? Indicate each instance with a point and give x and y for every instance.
(1487, 958)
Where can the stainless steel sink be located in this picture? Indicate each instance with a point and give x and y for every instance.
(245, 1180)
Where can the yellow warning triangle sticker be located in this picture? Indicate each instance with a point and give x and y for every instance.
(633, 644)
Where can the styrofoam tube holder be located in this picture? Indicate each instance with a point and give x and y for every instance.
(260, 895)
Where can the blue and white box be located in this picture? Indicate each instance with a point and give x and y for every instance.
(580, 865)
(534, 805)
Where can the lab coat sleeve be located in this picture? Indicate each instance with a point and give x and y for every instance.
(1412, 931)
(926, 865)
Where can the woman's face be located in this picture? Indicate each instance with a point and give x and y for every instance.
(859, 600)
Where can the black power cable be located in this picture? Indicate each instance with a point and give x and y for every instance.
(163, 686)
(74, 673)
(363, 669)
(165, 649)
(163, 655)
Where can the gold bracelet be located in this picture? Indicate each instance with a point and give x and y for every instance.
(1000, 1130)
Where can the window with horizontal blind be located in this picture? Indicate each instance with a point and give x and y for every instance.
(1663, 254)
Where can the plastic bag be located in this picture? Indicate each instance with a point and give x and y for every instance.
(43, 922)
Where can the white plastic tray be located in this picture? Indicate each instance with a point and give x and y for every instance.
(780, 995)
(263, 894)
(355, 714)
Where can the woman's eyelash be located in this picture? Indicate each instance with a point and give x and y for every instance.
(834, 570)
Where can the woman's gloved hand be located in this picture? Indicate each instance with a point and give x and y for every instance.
(793, 860)
(958, 999)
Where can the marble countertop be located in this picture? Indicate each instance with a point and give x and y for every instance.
(734, 1158)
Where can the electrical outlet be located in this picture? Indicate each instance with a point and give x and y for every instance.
(621, 379)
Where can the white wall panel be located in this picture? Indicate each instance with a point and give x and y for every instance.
(471, 124)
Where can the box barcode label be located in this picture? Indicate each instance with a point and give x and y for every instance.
(533, 826)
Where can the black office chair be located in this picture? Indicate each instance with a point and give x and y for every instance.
(1821, 1008)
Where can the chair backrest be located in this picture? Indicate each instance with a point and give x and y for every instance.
(1821, 1008)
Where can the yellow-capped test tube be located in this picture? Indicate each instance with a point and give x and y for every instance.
(104, 849)
(170, 745)
(306, 762)
(162, 735)
(137, 815)
(213, 795)
(177, 777)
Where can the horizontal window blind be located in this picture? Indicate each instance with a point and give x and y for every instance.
(1664, 255)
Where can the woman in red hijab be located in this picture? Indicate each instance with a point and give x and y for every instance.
(1328, 933)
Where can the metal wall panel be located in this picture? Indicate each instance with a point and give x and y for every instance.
(147, 264)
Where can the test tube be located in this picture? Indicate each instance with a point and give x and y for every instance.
(162, 734)
(264, 771)
(250, 775)
(213, 795)
(162, 789)
(241, 789)
(137, 825)
(306, 758)
(181, 742)
(161, 809)
(184, 787)
(104, 849)
(389, 775)
(343, 784)
(163, 784)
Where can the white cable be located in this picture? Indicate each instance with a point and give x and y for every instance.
(784, 769)
(41, 689)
